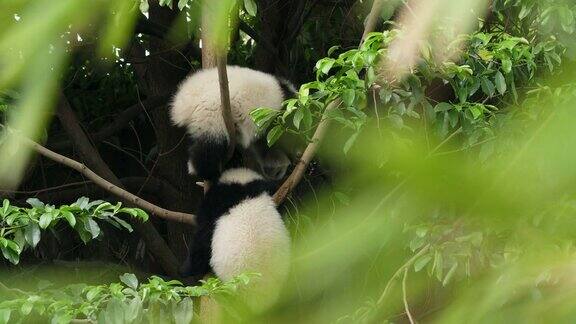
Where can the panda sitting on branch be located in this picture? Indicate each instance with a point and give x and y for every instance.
(239, 227)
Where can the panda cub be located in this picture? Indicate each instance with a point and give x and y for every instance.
(240, 231)
(197, 107)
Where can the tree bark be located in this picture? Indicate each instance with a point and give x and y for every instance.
(161, 75)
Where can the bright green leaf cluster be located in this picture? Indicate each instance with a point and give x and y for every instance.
(488, 74)
(127, 301)
(21, 228)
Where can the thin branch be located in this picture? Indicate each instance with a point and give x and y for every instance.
(155, 243)
(372, 19)
(225, 104)
(296, 176)
(397, 274)
(113, 189)
(14, 291)
(101, 182)
(446, 140)
(154, 187)
(405, 298)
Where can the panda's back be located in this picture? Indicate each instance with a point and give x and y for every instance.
(251, 237)
(197, 103)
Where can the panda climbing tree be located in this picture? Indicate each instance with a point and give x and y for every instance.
(239, 227)
(197, 107)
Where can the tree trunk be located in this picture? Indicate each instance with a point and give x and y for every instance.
(159, 75)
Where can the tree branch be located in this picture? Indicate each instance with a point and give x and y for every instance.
(296, 176)
(214, 54)
(109, 187)
(154, 242)
(225, 103)
(372, 19)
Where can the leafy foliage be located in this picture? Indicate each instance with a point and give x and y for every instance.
(21, 228)
(127, 301)
(457, 204)
(489, 70)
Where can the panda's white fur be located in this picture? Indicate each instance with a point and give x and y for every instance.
(196, 105)
(241, 231)
(251, 237)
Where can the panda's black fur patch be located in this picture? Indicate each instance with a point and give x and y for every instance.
(219, 199)
(287, 88)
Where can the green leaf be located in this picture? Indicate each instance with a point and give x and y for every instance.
(487, 87)
(26, 308)
(524, 12)
(142, 215)
(443, 106)
(114, 313)
(122, 222)
(421, 262)
(69, 217)
(332, 49)
(9, 253)
(35, 202)
(342, 198)
(182, 4)
(82, 203)
(5, 206)
(274, 134)
(133, 311)
(102, 206)
(129, 211)
(348, 97)
(130, 280)
(350, 142)
(325, 65)
(93, 292)
(307, 120)
(92, 227)
(462, 94)
(485, 55)
(500, 82)
(453, 117)
(298, 116)
(439, 265)
(507, 65)
(184, 311)
(250, 7)
(5, 315)
(476, 111)
(45, 220)
(32, 234)
(450, 274)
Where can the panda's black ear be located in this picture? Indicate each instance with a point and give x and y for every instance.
(288, 89)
